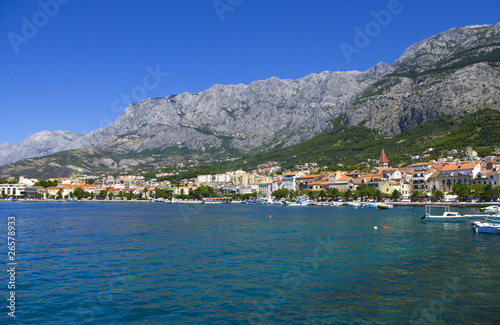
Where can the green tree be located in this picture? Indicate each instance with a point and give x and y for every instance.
(396, 194)
(46, 183)
(333, 192)
(79, 193)
(437, 194)
(103, 194)
(417, 195)
(496, 191)
(312, 194)
(281, 193)
(202, 192)
(378, 195)
(367, 191)
(487, 192)
(462, 190)
(59, 194)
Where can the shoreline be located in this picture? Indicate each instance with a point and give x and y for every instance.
(415, 204)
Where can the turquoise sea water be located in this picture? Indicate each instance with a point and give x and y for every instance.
(133, 263)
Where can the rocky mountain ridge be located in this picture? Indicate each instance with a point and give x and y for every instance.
(454, 72)
(39, 144)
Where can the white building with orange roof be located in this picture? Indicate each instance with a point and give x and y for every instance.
(54, 190)
(266, 188)
(304, 180)
(487, 177)
(451, 174)
(340, 182)
(420, 167)
(319, 185)
(289, 180)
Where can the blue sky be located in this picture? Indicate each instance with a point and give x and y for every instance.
(74, 65)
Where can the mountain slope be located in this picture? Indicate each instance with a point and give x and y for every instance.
(349, 145)
(265, 113)
(454, 73)
(39, 144)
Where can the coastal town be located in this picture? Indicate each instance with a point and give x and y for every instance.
(460, 176)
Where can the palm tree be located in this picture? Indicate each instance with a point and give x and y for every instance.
(378, 195)
(437, 194)
(417, 194)
(396, 194)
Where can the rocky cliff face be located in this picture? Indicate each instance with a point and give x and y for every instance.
(451, 73)
(37, 145)
(265, 113)
(455, 72)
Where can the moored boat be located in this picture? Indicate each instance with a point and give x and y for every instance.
(447, 216)
(353, 204)
(492, 209)
(495, 217)
(216, 200)
(371, 205)
(298, 204)
(485, 227)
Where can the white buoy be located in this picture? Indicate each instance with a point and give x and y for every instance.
(375, 227)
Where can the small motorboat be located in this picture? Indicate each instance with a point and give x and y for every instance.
(447, 216)
(492, 209)
(298, 204)
(494, 217)
(485, 227)
(378, 205)
(355, 204)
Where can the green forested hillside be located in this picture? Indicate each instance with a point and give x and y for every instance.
(354, 145)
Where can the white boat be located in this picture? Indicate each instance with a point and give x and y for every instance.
(485, 227)
(298, 204)
(490, 209)
(447, 216)
(494, 217)
(355, 204)
(378, 205)
(255, 201)
(371, 205)
(217, 200)
(335, 204)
